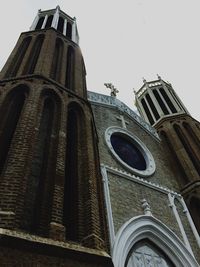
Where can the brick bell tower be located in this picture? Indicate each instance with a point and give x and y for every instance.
(158, 104)
(51, 200)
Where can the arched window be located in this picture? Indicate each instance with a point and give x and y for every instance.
(69, 30)
(160, 102)
(60, 24)
(40, 185)
(184, 179)
(168, 100)
(144, 105)
(194, 207)
(75, 173)
(49, 21)
(34, 55)
(191, 133)
(17, 60)
(57, 61)
(145, 253)
(70, 68)
(39, 24)
(188, 148)
(153, 108)
(10, 114)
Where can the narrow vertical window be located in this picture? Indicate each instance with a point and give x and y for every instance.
(69, 30)
(34, 55)
(16, 62)
(49, 21)
(153, 108)
(57, 61)
(11, 113)
(75, 173)
(60, 24)
(39, 193)
(70, 68)
(194, 208)
(168, 100)
(187, 148)
(160, 102)
(150, 118)
(164, 137)
(39, 24)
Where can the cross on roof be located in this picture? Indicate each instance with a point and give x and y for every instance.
(114, 90)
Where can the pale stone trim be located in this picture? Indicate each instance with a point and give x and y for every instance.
(142, 227)
(139, 180)
(108, 204)
(180, 225)
(99, 99)
(194, 230)
(44, 22)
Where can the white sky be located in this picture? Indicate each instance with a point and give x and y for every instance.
(123, 41)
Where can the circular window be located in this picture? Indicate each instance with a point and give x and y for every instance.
(130, 151)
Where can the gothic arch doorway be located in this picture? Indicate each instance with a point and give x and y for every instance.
(147, 237)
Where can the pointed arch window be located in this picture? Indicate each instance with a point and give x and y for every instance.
(165, 138)
(39, 193)
(15, 65)
(10, 114)
(75, 172)
(70, 68)
(145, 253)
(187, 147)
(57, 61)
(34, 55)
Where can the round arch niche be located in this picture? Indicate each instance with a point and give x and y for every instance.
(130, 151)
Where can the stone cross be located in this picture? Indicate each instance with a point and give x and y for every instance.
(123, 121)
(114, 90)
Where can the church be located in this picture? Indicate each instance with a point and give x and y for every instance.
(84, 180)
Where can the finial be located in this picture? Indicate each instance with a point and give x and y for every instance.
(114, 90)
(58, 7)
(146, 207)
(144, 80)
(134, 91)
(159, 77)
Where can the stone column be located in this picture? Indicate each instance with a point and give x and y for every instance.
(65, 27)
(44, 22)
(54, 23)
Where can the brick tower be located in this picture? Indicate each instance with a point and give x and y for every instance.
(158, 104)
(51, 202)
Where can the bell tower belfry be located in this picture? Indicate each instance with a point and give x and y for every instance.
(159, 104)
(51, 197)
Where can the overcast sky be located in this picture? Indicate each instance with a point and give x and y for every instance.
(123, 41)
